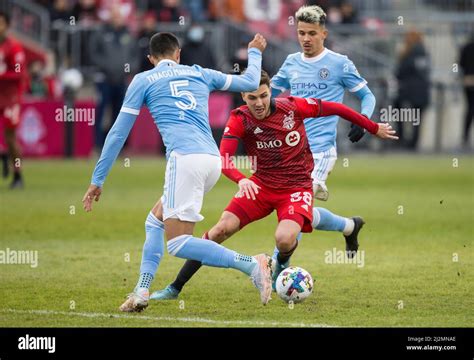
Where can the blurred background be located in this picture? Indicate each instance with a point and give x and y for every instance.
(83, 53)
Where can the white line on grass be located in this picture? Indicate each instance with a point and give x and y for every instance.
(164, 318)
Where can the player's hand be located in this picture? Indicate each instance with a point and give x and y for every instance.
(92, 193)
(356, 133)
(386, 132)
(258, 42)
(249, 188)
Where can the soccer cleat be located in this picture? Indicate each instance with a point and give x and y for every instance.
(262, 277)
(168, 293)
(276, 270)
(136, 301)
(352, 245)
(321, 193)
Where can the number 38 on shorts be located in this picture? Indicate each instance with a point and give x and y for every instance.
(306, 196)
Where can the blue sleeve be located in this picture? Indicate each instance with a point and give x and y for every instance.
(117, 135)
(249, 81)
(367, 101)
(280, 82)
(351, 78)
(113, 144)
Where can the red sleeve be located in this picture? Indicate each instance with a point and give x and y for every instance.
(233, 131)
(332, 108)
(234, 127)
(307, 108)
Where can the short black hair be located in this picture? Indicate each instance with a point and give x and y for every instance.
(163, 44)
(5, 15)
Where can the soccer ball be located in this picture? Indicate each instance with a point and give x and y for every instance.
(294, 284)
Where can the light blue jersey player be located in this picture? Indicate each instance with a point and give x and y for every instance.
(177, 98)
(324, 74)
(317, 72)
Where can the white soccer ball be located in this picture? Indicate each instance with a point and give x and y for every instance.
(294, 284)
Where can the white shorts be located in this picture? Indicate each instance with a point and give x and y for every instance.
(323, 164)
(187, 179)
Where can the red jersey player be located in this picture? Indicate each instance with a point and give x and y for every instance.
(12, 70)
(273, 133)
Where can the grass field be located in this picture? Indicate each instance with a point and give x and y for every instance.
(418, 243)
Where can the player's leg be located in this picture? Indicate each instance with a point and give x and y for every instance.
(12, 115)
(294, 216)
(153, 251)
(324, 219)
(228, 225)
(195, 174)
(323, 164)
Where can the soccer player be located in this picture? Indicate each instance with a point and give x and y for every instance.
(273, 133)
(12, 75)
(319, 72)
(177, 97)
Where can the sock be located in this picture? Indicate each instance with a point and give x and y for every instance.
(276, 252)
(153, 249)
(323, 219)
(189, 268)
(284, 257)
(210, 253)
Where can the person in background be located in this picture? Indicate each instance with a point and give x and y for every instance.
(12, 76)
(466, 61)
(413, 75)
(196, 50)
(146, 32)
(114, 68)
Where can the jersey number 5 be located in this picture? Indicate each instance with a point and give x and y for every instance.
(175, 85)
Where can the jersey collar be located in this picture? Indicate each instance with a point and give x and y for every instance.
(315, 58)
(168, 61)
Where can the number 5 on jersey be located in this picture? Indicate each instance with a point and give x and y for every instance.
(175, 85)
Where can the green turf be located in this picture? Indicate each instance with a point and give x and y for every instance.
(408, 257)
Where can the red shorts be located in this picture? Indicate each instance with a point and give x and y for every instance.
(10, 116)
(295, 204)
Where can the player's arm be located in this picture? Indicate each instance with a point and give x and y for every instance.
(357, 85)
(114, 141)
(312, 108)
(229, 143)
(279, 83)
(249, 80)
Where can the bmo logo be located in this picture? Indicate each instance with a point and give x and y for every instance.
(269, 144)
(293, 138)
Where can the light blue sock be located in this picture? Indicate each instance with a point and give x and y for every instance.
(323, 219)
(153, 250)
(210, 253)
(276, 252)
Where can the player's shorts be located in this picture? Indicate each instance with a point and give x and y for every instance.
(323, 164)
(187, 179)
(10, 116)
(295, 204)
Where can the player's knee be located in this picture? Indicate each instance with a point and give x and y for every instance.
(285, 241)
(221, 231)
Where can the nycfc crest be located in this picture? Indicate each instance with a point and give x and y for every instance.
(288, 121)
(324, 73)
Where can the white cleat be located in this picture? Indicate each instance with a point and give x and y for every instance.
(137, 301)
(262, 277)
